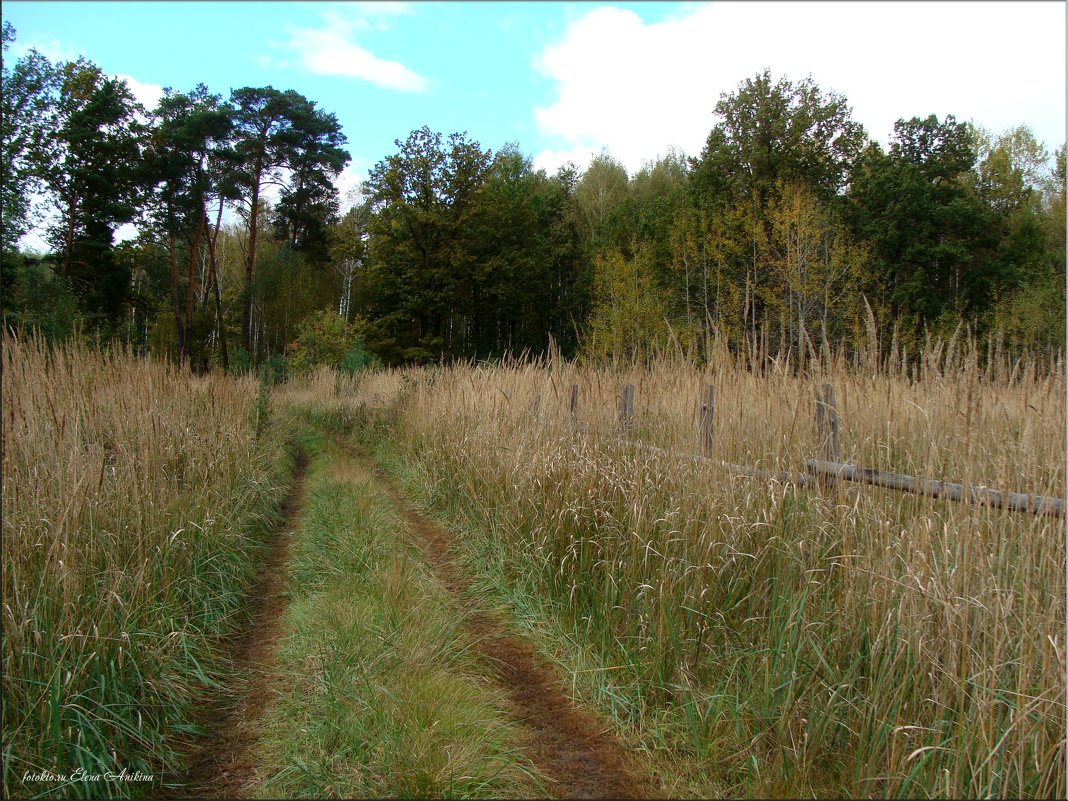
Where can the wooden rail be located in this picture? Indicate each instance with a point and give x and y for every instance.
(1016, 501)
(827, 470)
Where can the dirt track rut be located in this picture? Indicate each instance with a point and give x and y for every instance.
(221, 766)
(568, 744)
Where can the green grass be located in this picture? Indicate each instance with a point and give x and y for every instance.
(680, 741)
(383, 697)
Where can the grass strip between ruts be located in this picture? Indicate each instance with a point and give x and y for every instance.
(380, 695)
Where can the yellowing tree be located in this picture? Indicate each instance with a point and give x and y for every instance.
(629, 314)
(815, 265)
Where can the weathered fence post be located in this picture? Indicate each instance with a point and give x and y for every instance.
(827, 428)
(707, 407)
(626, 409)
(572, 407)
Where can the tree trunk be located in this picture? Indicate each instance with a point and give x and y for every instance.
(250, 260)
(215, 283)
(175, 305)
(68, 251)
(189, 293)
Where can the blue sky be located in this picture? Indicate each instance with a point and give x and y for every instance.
(566, 80)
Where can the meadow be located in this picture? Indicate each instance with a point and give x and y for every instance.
(764, 639)
(134, 500)
(749, 637)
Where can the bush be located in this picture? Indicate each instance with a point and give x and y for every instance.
(328, 339)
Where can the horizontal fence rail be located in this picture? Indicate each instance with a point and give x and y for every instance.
(1016, 501)
(827, 470)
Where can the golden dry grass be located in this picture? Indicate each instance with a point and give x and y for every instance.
(132, 491)
(856, 642)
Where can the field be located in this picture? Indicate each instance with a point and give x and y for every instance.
(770, 640)
(738, 637)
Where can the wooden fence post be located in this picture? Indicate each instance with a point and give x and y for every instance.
(827, 428)
(626, 409)
(707, 407)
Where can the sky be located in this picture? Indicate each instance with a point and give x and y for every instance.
(566, 81)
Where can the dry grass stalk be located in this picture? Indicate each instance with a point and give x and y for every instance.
(861, 642)
(130, 493)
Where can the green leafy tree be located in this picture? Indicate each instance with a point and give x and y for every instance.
(710, 264)
(524, 250)
(422, 198)
(347, 250)
(93, 175)
(27, 114)
(773, 133)
(930, 232)
(308, 204)
(1032, 313)
(324, 338)
(630, 313)
(770, 135)
(189, 148)
(600, 191)
(1012, 168)
(815, 264)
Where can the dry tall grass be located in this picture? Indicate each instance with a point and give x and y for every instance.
(859, 641)
(131, 496)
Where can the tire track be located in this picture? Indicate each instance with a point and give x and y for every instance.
(221, 764)
(568, 744)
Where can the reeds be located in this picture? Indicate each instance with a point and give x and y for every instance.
(853, 641)
(133, 495)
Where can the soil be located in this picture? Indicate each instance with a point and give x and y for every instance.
(568, 744)
(221, 764)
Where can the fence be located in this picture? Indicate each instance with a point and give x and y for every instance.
(826, 470)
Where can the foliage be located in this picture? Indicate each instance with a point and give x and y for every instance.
(37, 299)
(422, 198)
(358, 358)
(326, 338)
(276, 132)
(629, 316)
(450, 251)
(770, 134)
(92, 172)
(26, 116)
(930, 233)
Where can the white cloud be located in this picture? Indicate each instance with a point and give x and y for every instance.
(349, 181)
(52, 49)
(639, 89)
(552, 160)
(147, 94)
(373, 15)
(267, 62)
(331, 49)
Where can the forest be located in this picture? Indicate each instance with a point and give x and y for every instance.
(791, 228)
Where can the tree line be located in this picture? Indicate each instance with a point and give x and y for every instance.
(791, 227)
